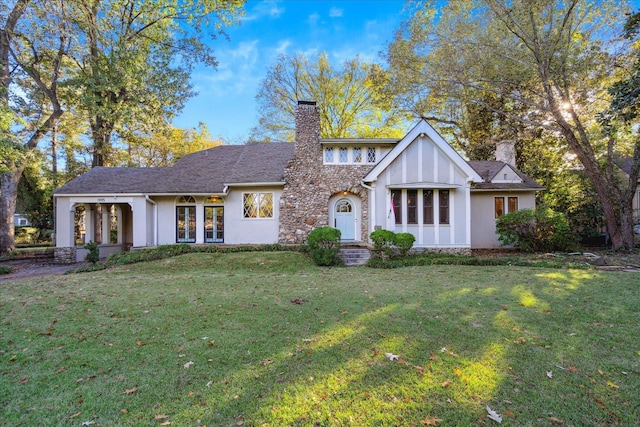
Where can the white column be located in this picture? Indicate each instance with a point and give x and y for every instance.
(106, 224)
(199, 222)
(89, 225)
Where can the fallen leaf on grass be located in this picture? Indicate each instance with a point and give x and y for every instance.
(572, 368)
(131, 390)
(187, 365)
(76, 415)
(612, 384)
(211, 343)
(61, 369)
(161, 417)
(550, 374)
(298, 301)
(494, 415)
(139, 343)
(124, 411)
(166, 423)
(24, 380)
(447, 383)
(556, 420)
(430, 421)
(391, 356)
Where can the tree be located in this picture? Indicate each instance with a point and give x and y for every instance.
(349, 104)
(135, 60)
(31, 57)
(549, 61)
(164, 147)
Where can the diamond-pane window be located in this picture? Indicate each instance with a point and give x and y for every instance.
(357, 155)
(371, 155)
(328, 155)
(266, 205)
(250, 202)
(344, 157)
(258, 205)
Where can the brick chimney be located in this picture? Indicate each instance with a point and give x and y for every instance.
(506, 151)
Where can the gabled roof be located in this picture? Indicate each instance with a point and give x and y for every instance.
(488, 169)
(203, 172)
(422, 128)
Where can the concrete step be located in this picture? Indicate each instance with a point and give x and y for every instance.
(355, 256)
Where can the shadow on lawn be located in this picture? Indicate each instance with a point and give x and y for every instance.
(524, 348)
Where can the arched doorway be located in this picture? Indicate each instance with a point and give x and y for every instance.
(344, 219)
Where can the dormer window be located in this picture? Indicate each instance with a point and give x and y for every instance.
(349, 155)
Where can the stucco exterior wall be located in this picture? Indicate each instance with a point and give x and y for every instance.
(483, 222)
(237, 229)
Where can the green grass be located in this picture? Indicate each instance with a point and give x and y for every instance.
(277, 341)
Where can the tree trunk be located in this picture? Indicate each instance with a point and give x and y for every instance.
(8, 191)
(101, 133)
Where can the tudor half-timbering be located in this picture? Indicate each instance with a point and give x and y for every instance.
(278, 192)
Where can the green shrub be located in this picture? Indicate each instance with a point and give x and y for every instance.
(5, 270)
(536, 230)
(26, 235)
(404, 242)
(324, 246)
(94, 252)
(383, 242)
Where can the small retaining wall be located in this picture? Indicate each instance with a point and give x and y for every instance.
(66, 255)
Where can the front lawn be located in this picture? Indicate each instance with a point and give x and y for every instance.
(269, 339)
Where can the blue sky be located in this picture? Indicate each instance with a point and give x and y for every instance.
(343, 29)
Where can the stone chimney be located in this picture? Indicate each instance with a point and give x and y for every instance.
(307, 126)
(506, 151)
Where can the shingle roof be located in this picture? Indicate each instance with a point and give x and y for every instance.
(202, 172)
(488, 169)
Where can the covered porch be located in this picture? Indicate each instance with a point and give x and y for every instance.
(116, 223)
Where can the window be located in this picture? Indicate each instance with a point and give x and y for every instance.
(427, 206)
(328, 155)
(258, 205)
(344, 155)
(412, 206)
(499, 206)
(512, 203)
(371, 155)
(396, 201)
(186, 224)
(213, 224)
(357, 155)
(186, 220)
(444, 206)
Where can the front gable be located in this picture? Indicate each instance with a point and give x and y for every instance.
(423, 156)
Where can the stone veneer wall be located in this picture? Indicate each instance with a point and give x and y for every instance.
(64, 255)
(309, 184)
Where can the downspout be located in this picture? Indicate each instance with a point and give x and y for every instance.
(372, 206)
(155, 219)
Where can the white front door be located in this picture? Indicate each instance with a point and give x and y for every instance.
(344, 218)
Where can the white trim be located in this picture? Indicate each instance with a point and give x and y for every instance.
(425, 185)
